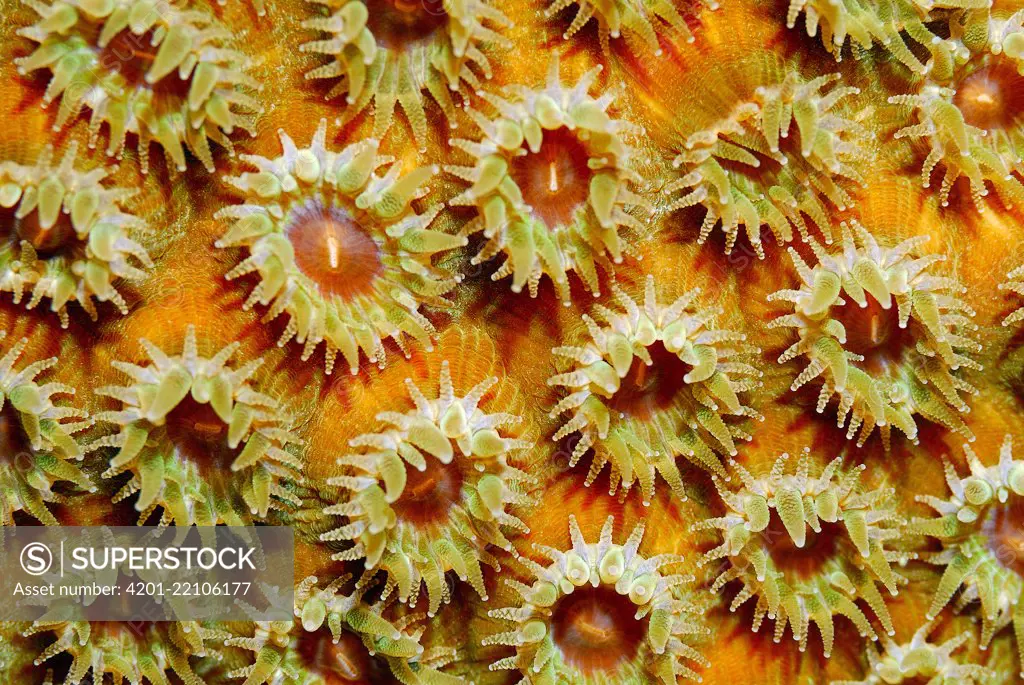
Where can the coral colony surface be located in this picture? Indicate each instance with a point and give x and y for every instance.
(579, 341)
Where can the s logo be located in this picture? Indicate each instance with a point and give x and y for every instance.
(36, 558)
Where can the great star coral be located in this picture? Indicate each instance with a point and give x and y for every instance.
(640, 621)
(431, 490)
(978, 527)
(143, 651)
(39, 444)
(338, 247)
(201, 443)
(389, 51)
(842, 537)
(163, 71)
(638, 20)
(653, 382)
(740, 173)
(531, 191)
(920, 657)
(71, 237)
(553, 184)
(883, 374)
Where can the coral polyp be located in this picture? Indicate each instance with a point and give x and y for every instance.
(338, 638)
(161, 71)
(443, 513)
(637, 20)
(601, 612)
(288, 653)
(918, 659)
(332, 615)
(654, 382)
(70, 236)
(201, 443)
(977, 154)
(37, 439)
(979, 527)
(899, 27)
(744, 172)
(390, 51)
(808, 547)
(1014, 283)
(553, 183)
(1006, 37)
(947, 33)
(339, 248)
(970, 108)
(137, 652)
(885, 366)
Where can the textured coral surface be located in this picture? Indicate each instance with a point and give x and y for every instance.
(438, 282)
